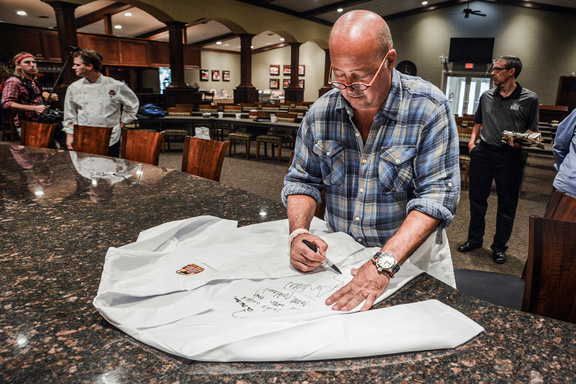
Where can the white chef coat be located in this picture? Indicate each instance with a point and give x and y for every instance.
(104, 103)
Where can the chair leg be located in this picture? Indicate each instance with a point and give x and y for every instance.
(247, 149)
(279, 152)
(230, 148)
(465, 182)
(258, 150)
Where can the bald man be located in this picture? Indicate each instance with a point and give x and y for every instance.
(383, 147)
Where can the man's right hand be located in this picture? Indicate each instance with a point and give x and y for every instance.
(303, 258)
(471, 146)
(40, 109)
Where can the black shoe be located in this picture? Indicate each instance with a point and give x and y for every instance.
(499, 257)
(467, 247)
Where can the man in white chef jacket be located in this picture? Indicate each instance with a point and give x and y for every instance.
(97, 100)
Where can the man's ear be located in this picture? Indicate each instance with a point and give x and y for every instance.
(391, 60)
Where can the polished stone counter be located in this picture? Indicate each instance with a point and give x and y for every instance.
(59, 214)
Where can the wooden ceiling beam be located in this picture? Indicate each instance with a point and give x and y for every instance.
(100, 14)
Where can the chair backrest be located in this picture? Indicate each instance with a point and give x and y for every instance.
(141, 146)
(232, 108)
(203, 158)
(94, 140)
(37, 134)
(179, 111)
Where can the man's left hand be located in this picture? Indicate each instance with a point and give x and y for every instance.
(368, 284)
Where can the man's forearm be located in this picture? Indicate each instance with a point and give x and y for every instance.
(300, 211)
(412, 233)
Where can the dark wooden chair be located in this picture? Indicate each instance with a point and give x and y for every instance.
(203, 158)
(37, 134)
(141, 146)
(94, 140)
(551, 266)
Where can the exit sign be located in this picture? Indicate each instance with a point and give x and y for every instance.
(469, 66)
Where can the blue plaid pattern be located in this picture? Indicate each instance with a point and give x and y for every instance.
(409, 161)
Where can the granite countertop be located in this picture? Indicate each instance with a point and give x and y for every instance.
(57, 224)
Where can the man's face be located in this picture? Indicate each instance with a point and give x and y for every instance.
(80, 68)
(362, 68)
(28, 66)
(500, 74)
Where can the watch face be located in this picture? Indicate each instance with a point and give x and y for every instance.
(386, 261)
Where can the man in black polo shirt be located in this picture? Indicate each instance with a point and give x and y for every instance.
(508, 107)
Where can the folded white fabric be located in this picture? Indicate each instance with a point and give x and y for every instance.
(242, 301)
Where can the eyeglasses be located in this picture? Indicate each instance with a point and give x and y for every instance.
(356, 86)
(498, 69)
(131, 174)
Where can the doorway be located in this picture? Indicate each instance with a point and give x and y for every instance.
(463, 92)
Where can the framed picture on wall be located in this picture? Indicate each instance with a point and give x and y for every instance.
(225, 75)
(274, 83)
(274, 70)
(204, 75)
(285, 83)
(301, 70)
(301, 83)
(215, 75)
(287, 71)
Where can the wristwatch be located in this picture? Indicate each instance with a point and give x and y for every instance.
(386, 262)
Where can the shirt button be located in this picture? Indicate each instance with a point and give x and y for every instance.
(363, 161)
(449, 184)
(357, 134)
(397, 161)
(361, 189)
(327, 153)
(357, 218)
(359, 240)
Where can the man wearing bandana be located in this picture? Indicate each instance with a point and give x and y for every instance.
(97, 100)
(21, 93)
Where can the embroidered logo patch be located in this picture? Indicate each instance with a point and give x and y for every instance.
(190, 269)
(112, 92)
(515, 107)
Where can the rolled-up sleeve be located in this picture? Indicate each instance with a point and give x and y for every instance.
(304, 176)
(437, 172)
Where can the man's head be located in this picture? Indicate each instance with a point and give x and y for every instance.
(359, 42)
(87, 62)
(25, 65)
(506, 69)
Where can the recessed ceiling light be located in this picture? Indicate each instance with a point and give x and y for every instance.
(128, 14)
(281, 39)
(117, 26)
(424, 3)
(21, 13)
(218, 43)
(251, 47)
(340, 10)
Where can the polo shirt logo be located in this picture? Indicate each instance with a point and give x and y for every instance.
(515, 107)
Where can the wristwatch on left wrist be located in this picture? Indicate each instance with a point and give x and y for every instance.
(386, 262)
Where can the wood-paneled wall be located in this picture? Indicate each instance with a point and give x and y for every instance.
(117, 51)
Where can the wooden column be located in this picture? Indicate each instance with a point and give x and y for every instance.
(66, 37)
(293, 92)
(178, 91)
(108, 28)
(327, 62)
(245, 92)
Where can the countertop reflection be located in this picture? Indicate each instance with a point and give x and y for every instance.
(60, 211)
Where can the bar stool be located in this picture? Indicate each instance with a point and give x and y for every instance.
(245, 137)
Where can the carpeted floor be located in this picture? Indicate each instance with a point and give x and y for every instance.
(265, 178)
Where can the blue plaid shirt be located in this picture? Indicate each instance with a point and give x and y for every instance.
(409, 161)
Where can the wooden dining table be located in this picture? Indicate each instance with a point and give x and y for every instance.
(61, 211)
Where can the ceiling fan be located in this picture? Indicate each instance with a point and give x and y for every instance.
(467, 12)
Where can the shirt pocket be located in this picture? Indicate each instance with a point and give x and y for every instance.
(331, 155)
(395, 168)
